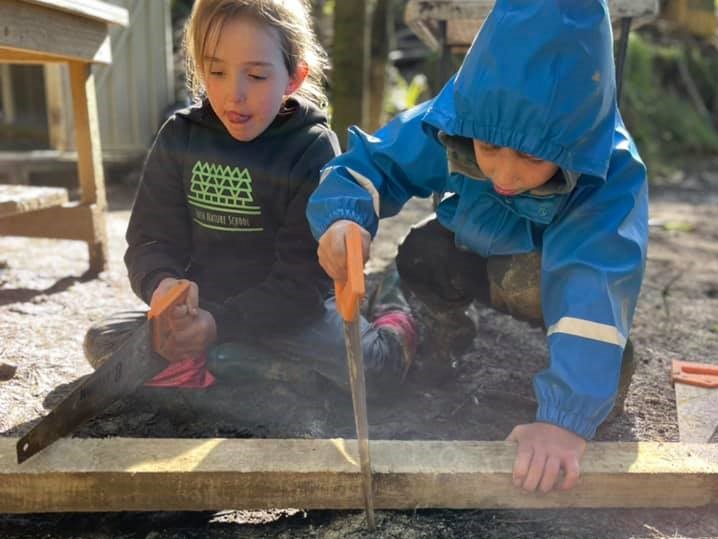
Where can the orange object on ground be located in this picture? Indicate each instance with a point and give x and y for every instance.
(695, 374)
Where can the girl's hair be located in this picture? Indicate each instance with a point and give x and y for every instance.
(291, 20)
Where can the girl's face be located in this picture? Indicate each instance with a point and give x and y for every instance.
(512, 172)
(246, 78)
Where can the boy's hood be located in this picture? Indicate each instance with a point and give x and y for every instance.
(298, 114)
(539, 78)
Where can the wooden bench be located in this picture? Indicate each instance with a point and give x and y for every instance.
(75, 32)
(17, 199)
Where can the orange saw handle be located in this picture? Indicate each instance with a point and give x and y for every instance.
(695, 374)
(350, 293)
(160, 317)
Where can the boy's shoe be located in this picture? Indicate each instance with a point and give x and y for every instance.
(401, 327)
(390, 314)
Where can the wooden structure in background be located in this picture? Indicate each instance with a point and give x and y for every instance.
(74, 32)
(463, 19)
(135, 474)
(133, 93)
(698, 17)
(449, 26)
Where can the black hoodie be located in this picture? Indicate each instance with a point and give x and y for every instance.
(229, 215)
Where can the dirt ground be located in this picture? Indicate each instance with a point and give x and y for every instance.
(46, 303)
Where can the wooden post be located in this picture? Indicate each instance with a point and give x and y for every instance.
(56, 110)
(89, 156)
(6, 95)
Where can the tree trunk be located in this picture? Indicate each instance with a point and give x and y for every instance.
(382, 33)
(350, 61)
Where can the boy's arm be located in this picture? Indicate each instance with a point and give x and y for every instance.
(592, 266)
(295, 288)
(159, 234)
(378, 173)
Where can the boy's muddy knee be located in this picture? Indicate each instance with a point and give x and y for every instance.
(515, 285)
(430, 265)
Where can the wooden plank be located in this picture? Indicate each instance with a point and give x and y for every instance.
(35, 28)
(71, 221)
(209, 474)
(92, 9)
(14, 56)
(16, 199)
(697, 411)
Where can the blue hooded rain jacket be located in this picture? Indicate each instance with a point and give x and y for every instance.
(539, 78)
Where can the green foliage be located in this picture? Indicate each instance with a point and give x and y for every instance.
(328, 8)
(405, 95)
(664, 121)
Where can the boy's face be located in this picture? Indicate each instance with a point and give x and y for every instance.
(512, 172)
(246, 78)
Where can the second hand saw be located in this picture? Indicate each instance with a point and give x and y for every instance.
(136, 360)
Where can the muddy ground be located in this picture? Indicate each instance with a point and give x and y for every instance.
(46, 303)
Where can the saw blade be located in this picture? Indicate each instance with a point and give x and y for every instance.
(129, 366)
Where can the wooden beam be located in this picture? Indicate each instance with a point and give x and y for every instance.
(14, 56)
(35, 28)
(16, 199)
(136, 474)
(92, 9)
(69, 222)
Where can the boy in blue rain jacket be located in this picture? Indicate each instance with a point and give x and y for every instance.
(528, 148)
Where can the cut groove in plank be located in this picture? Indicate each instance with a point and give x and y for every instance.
(125, 474)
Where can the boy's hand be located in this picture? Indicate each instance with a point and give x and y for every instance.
(544, 450)
(332, 249)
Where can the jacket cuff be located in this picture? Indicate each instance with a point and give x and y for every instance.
(340, 214)
(577, 424)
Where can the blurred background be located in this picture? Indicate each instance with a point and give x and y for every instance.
(387, 56)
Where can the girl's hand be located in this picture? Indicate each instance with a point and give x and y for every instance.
(194, 334)
(193, 329)
(544, 450)
(332, 249)
(189, 307)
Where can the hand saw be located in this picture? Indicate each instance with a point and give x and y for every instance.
(349, 295)
(135, 361)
